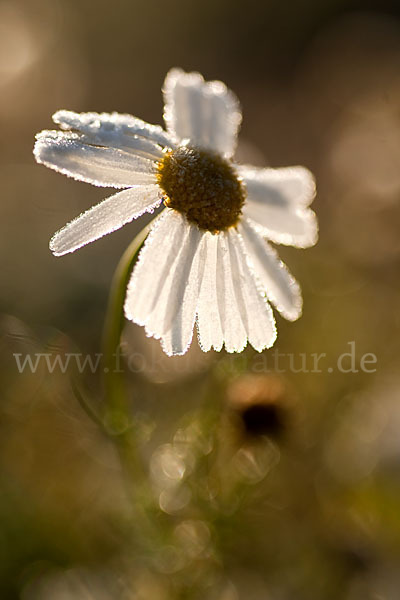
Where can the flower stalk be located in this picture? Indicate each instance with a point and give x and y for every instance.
(118, 420)
(117, 412)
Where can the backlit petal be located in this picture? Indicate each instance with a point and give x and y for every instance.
(208, 320)
(256, 314)
(105, 217)
(205, 113)
(278, 202)
(112, 129)
(71, 154)
(233, 330)
(164, 288)
(279, 285)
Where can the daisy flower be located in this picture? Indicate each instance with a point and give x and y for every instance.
(207, 259)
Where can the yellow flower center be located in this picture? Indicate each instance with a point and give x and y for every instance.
(203, 186)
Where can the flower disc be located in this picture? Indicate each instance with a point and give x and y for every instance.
(203, 186)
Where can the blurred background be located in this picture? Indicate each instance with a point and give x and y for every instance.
(269, 482)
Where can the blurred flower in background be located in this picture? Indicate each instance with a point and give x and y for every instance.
(258, 405)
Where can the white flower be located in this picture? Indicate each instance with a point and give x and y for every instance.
(206, 259)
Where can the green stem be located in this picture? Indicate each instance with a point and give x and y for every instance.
(117, 411)
(118, 420)
(115, 417)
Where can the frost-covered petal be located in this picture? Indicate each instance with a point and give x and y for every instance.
(163, 292)
(279, 285)
(154, 262)
(105, 217)
(255, 312)
(233, 330)
(277, 200)
(70, 153)
(209, 327)
(231, 308)
(112, 129)
(205, 113)
(183, 294)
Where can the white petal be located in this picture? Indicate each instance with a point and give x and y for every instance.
(231, 308)
(153, 265)
(163, 292)
(256, 314)
(205, 113)
(279, 285)
(71, 154)
(234, 332)
(183, 294)
(112, 129)
(109, 215)
(208, 321)
(278, 202)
